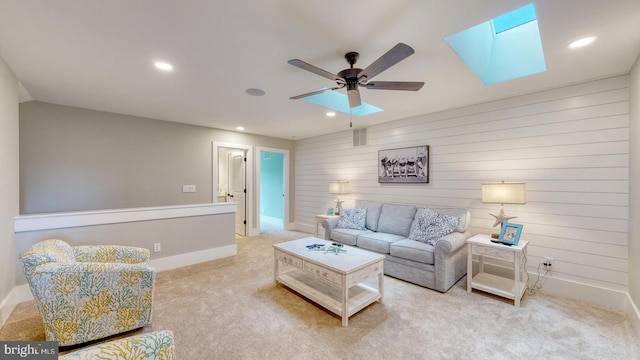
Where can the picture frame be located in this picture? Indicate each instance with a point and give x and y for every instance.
(510, 233)
(330, 211)
(404, 165)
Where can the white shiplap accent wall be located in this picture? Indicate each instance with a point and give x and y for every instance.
(570, 145)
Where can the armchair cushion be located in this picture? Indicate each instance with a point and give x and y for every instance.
(111, 254)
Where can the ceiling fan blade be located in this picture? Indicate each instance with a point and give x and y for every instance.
(316, 92)
(354, 98)
(395, 55)
(316, 70)
(394, 85)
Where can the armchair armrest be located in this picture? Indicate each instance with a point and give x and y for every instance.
(86, 278)
(111, 254)
(151, 345)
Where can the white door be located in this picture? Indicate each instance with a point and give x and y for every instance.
(237, 188)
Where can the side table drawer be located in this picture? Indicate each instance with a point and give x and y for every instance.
(322, 273)
(501, 254)
(288, 260)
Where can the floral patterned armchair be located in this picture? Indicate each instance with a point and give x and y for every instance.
(85, 293)
(152, 345)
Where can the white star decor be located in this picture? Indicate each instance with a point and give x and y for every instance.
(501, 218)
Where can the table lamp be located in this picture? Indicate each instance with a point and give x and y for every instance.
(339, 188)
(503, 193)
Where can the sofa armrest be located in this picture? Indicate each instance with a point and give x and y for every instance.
(111, 254)
(451, 243)
(328, 225)
(450, 259)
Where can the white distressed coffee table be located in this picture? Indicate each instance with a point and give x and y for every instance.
(333, 281)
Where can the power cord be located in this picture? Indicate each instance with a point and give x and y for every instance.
(532, 290)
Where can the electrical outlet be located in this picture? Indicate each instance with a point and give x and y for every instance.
(548, 263)
(156, 247)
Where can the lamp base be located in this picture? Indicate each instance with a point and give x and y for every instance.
(338, 206)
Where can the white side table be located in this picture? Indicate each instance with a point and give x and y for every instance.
(482, 246)
(321, 217)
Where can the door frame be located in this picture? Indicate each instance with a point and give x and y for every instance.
(232, 191)
(252, 229)
(285, 186)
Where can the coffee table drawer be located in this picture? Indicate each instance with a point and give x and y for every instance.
(288, 260)
(322, 273)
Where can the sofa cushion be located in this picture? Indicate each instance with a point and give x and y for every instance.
(429, 226)
(462, 214)
(377, 241)
(373, 212)
(352, 219)
(412, 250)
(347, 236)
(396, 219)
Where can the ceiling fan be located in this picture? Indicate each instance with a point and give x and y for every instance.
(352, 78)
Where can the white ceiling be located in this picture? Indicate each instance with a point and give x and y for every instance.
(99, 54)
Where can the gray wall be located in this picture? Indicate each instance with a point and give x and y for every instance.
(9, 182)
(74, 159)
(634, 185)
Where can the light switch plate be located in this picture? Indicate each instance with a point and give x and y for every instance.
(188, 188)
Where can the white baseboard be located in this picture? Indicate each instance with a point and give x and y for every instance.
(613, 299)
(634, 314)
(307, 228)
(182, 260)
(22, 293)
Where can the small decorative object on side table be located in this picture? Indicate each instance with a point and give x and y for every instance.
(482, 246)
(321, 217)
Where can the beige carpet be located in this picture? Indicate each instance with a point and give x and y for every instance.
(231, 309)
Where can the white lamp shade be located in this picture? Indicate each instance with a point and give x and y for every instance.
(504, 193)
(339, 187)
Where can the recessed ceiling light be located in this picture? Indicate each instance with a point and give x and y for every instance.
(331, 114)
(163, 66)
(582, 42)
(239, 128)
(255, 92)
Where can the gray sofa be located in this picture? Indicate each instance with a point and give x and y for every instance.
(438, 266)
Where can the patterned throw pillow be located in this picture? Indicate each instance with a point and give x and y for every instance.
(352, 219)
(429, 226)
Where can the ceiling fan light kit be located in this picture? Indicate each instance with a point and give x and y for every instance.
(353, 78)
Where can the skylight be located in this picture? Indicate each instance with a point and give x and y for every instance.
(504, 48)
(340, 102)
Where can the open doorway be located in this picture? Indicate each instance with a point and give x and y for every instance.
(273, 173)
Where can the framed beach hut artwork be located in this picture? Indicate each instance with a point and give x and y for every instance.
(404, 165)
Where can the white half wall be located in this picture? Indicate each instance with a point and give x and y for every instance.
(187, 234)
